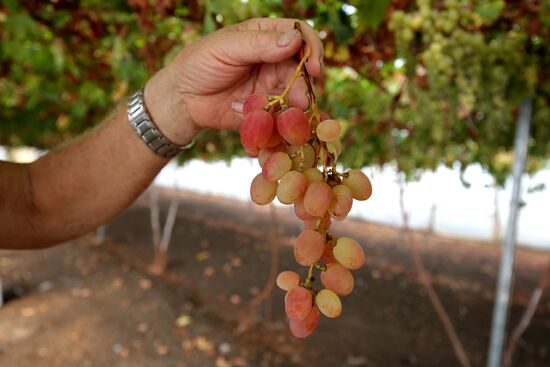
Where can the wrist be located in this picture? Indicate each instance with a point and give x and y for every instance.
(167, 109)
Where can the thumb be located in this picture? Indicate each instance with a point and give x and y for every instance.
(252, 47)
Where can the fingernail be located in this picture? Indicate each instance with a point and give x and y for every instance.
(237, 106)
(286, 38)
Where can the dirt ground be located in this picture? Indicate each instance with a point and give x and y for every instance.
(82, 304)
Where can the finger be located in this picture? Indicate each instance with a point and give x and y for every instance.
(298, 94)
(232, 119)
(251, 47)
(310, 35)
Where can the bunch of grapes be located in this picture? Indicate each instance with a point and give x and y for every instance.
(297, 152)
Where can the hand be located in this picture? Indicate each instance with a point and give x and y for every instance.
(200, 86)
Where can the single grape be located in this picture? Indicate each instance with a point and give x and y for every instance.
(359, 184)
(328, 130)
(328, 303)
(267, 152)
(276, 166)
(349, 253)
(303, 157)
(262, 191)
(303, 328)
(324, 116)
(313, 175)
(293, 126)
(338, 279)
(255, 102)
(318, 198)
(342, 200)
(292, 187)
(251, 152)
(300, 211)
(298, 303)
(309, 247)
(256, 130)
(288, 280)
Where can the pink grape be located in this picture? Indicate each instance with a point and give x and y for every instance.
(342, 200)
(349, 253)
(324, 116)
(298, 303)
(256, 129)
(288, 280)
(268, 152)
(276, 166)
(313, 175)
(262, 191)
(303, 157)
(338, 279)
(251, 152)
(328, 130)
(318, 198)
(328, 303)
(293, 126)
(292, 187)
(303, 328)
(359, 184)
(300, 211)
(309, 247)
(255, 102)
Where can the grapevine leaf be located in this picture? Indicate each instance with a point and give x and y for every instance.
(342, 29)
(370, 13)
(545, 13)
(490, 10)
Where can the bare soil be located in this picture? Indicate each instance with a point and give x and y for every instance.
(82, 304)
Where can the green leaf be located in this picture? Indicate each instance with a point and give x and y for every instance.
(208, 25)
(343, 32)
(370, 13)
(545, 13)
(490, 10)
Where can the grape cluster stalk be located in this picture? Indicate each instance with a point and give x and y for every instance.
(297, 152)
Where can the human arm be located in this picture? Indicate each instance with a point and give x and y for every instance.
(91, 179)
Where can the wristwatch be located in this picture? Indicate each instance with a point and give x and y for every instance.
(146, 129)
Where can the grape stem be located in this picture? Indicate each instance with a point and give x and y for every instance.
(320, 267)
(309, 276)
(305, 52)
(281, 98)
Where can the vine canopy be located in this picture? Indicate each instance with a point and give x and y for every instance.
(418, 83)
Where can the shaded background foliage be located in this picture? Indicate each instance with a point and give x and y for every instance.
(418, 83)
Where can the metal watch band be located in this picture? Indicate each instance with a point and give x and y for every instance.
(145, 128)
